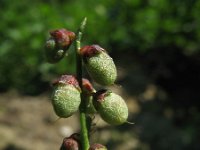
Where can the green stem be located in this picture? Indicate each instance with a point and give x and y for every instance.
(84, 131)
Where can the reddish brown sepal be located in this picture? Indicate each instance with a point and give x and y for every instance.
(90, 50)
(87, 86)
(67, 79)
(71, 143)
(99, 95)
(63, 37)
(97, 146)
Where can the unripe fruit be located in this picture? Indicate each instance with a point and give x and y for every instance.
(99, 64)
(88, 92)
(97, 147)
(57, 45)
(111, 107)
(71, 143)
(66, 96)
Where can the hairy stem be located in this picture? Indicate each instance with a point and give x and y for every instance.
(84, 131)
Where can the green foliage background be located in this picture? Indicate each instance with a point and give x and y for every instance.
(129, 26)
(156, 41)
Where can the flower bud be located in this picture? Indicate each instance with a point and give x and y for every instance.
(111, 107)
(99, 64)
(66, 96)
(88, 92)
(97, 147)
(57, 45)
(71, 143)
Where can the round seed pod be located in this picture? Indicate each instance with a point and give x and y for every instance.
(57, 45)
(111, 107)
(99, 64)
(71, 143)
(88, 92)
(66, 96)
(97, 147)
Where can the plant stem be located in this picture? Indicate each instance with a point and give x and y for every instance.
(84, 130)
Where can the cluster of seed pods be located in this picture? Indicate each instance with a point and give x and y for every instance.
(66, 96)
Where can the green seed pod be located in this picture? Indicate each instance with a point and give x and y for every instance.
(57, 45)
(66, 96)
(97, 147)
(111, 107)
(88, 92)
(99, 64)
(71, 143)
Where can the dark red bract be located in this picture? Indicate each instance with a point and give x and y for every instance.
(97, 146)
(99, 95)
(63, 37)
(87, 85)
(67, 79)
(90, 50)
(71, 143)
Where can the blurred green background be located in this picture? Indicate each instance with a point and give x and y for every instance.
(156, 47)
